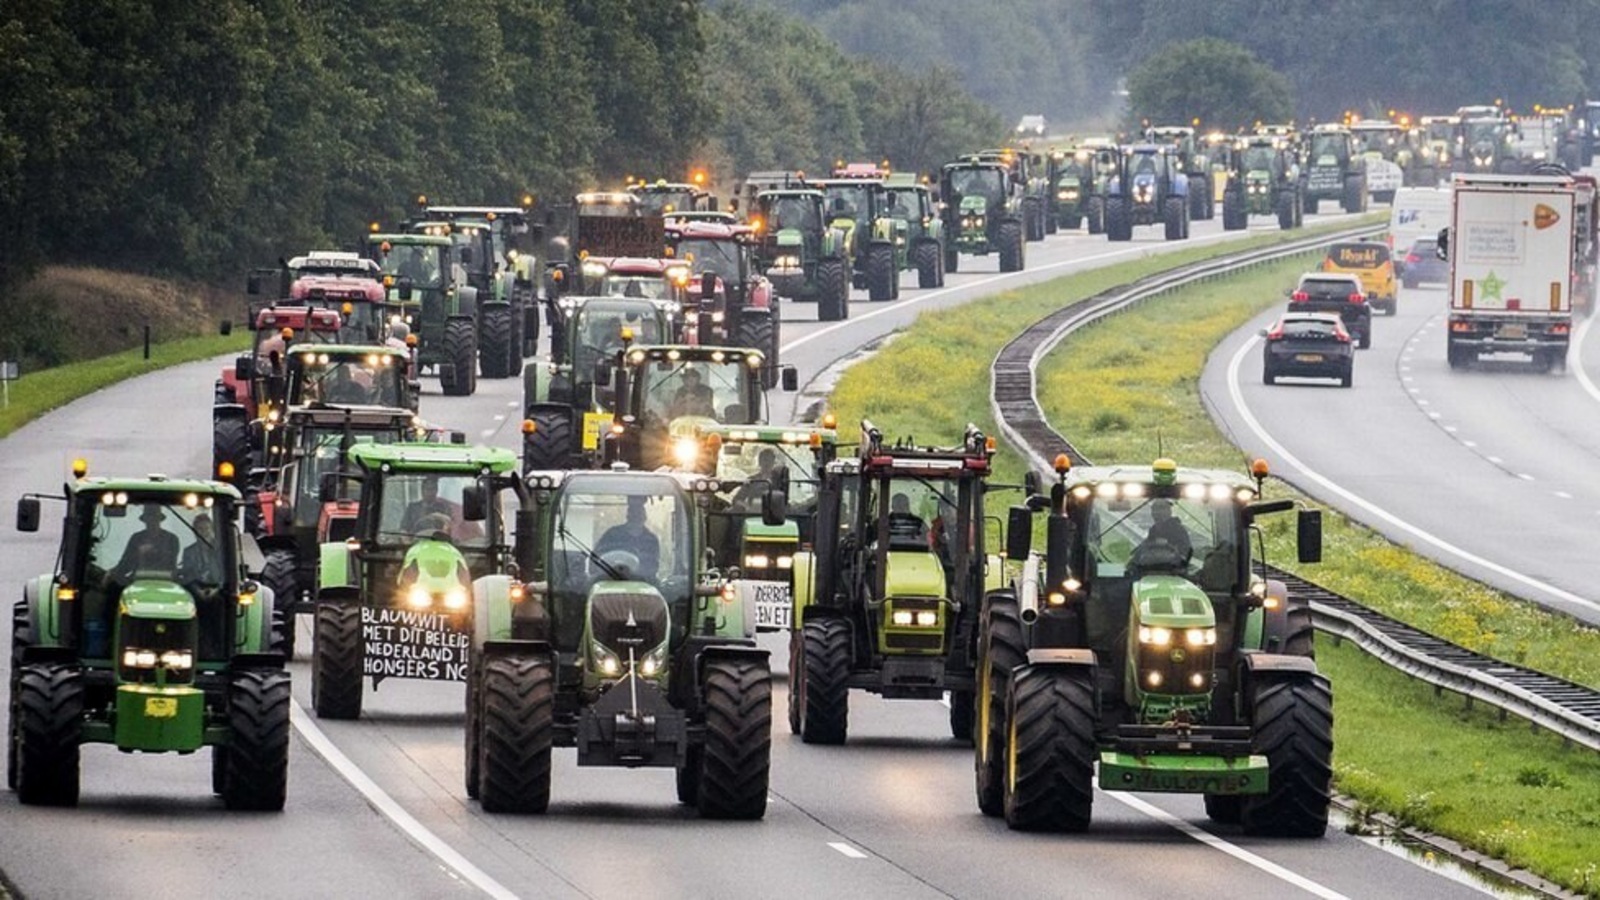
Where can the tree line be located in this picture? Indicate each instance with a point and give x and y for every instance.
(199, 139)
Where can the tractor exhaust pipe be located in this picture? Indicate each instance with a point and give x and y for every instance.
(1028, 596)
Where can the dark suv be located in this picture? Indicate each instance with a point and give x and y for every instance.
(1335, 293)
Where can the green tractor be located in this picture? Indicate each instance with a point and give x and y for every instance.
(395, 599)
(1194, 161)
(1265, 181)
(1144, 641)
(857, 206)
(421, 274)
(803, 254)
(501, 250)
(1071, 175)
(1332, 170)
(757, 558)
(887, 600)
(622, 644)
(982, 213)
(148, 637)
(918, 230)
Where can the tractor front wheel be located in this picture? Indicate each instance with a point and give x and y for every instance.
(458, 374)
(1009, 237)
(279, 573)
(1002, 649)
(48, 717)
(1118, 220)
(952, 262)
(737, 757)
(549, 444)
(824, 692)
(1032, 220)
(1293, 722)
(473, 733)
(882, 276)
(497, 344)
(336, 661)
(833, 283)
(255, 772)
(961, 712)
(1285, 210)
(1095, 213)
(1050, 749)
(519, 698)
(1234, 215)
(21, 638)
(1201, 199)
(1175, 218)
(929, 274)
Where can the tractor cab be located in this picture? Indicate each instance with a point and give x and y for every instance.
(608, 204)
(349, 375)
(730, 301)
(640, 278)
(975, 191)
(1383, 140)
(663, 198)
(664, 393)
(791, 222)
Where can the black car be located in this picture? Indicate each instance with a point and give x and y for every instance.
(1307, 345)
(1423, 264)
(1338, 293)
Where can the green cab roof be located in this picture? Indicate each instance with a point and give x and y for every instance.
(434, 457)
(1093, 476)
(436, 240)
(153, 485)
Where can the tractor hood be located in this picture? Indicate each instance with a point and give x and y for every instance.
(157, 599)
(974, 205)
(789, 237)
(434, 576)
(1171, 601)
(626, 620)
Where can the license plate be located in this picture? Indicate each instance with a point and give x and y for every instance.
(1513, 332)
(1167, 781)
(770, 600)
(1308, 357)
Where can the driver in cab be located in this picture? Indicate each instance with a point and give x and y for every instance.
(693, 397)
(633, 536)
(1166, 530)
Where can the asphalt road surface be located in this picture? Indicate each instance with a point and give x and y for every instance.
(376, 806)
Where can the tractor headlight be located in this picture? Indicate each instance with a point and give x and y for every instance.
(902, 617)
(686, 451)
(1157, 635)
(654, 662)
(785, 562)
(966, 222)
(456, 598)
(609, 664)
(1201, 637)
(757, 561)
(417, 596)
(177, 659)
(139, 659)
(1063, 195)
(927, 618)
(978, 221)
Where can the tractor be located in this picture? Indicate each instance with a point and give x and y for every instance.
(424, 278)
(333, 280)
(803, 254)
(1145, 640)
(982, 211)
(1332, 169)
(1148, 188)
(886, 600)
(1071, 175)
(1485, 137)
(1193, 162)
(1441, 148)
(394, 599)
(621, 643)
(1381, 144)
(291, 520)
(732, 302)
(1264, 182)
(148, 637)
(857, 206)
(663, 198)
(501, 249)
(918, 230)
(1030, 182)
(757, 558)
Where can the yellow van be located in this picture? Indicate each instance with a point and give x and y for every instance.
(1373, 264)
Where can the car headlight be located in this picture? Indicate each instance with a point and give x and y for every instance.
(1158, 636)
(419, 597)
(686, 451)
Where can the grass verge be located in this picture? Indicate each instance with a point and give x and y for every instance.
(1492, 786)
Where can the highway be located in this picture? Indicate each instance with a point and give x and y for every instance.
(376, 806)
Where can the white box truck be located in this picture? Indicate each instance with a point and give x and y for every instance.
(1510, 246)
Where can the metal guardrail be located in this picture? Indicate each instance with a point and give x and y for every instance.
(1567, 709)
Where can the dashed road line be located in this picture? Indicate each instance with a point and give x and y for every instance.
(847, 850)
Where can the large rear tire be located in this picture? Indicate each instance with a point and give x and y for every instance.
(882, 275)
(1032, 220)
(279, 572)
(1050, 749)
(48, 713)
(1234, 215)
(1119, 220)
(929, 273)
(518, 723)
(824, 682)
(1293, 720)
(1202, 199)
(336, 661)
(471, 756)
(230, 443)
(952, 262)
(1009, 237)
(256, 766)
(757, 329)
(1095, 213)
(737, 756)
(1285, 210)
(21, 638)
(1174, 218)
(549, 445)
(961, 713)
(833, 282)
(458, 374)
(1002, 650)
(1351, 199)
(498, 353)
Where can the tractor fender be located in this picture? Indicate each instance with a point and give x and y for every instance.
(491, 609)
(338, 571)
(547, 406)
(224, 411)
(746, 650)
(253, 624)
(1067, 657)
(1258, 661)
(44, 610)
(758, 295)
(802, 593)
(517, 648)
(1274, 617)
(466, 302)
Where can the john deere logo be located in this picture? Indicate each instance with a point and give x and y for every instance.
(1544, 216)
(1178, 655)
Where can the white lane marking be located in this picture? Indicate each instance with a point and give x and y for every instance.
(1584, 380)
(1563, 495)
(499, 417)
(487, 432)
(847, 850)
(1469, 443)
(1495, 459)
(1216, 843)
(1524, 476)
(390, 809)
(1237, 396)
(512, 403)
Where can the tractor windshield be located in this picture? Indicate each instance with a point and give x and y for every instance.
(162, 538)
(480, 241)
(696, 388)
(722, 257)
(753, 464)
(373, 379)
(423, 504)
(320, 454)
(1072, 169)
(659, 203)
(848, 201)
(1129, 538)
(1259, 159)
(1329, 149)
(599, 332)
(1482, 133)
(1375, 141)
(985, 181)
(618, 528)
(904, 204)
(648, 287)
(793, 211)
(422, 263)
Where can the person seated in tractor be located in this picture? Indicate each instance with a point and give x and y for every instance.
(1167, 544)
(152, 551)
(417, 264)
(429, 504)
(341, 388)
(398, 332)
(434, 526)
(748, 497)
(632, 537)
(693, 397)
(907, 530)
(897, 207)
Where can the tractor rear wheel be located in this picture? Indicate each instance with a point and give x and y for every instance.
(952, 262)
(1285, 210)
(1351, 200)
(256, 766)
(1032, 220)
(473, 733)
(882, 275)
(230, 443)
(1201, 199)
(736, 760)
(1050, 749)
(833, 283)
(961, 711)
(458, 374)
(1309, 205)
(1293, 721)
(1234, 216)
(336, 661)
(1009, 237)
(688, 775)
(1095, 212)
(1051, 223)
(549, 444)
(279, 573)
(497, 344)
(824, 682)
(519, 698)
(1002, 650)
(758, 329)
(1175, 218)
(21, 638)
(48, 713)
(929, 274)
(1118, 220)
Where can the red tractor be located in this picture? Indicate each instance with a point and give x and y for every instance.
(249, 387)
(732, 302)
(331, 279)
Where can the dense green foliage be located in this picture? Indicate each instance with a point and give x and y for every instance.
(198, 139)
(1219, 83)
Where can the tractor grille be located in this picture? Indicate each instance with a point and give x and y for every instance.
(611, 612)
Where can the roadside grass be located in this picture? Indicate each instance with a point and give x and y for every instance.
(36, 393)
(1490, 785)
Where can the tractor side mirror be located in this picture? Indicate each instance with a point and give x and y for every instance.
(602, 373)
(466, 256)
(711, 204)
(1031, 484)
(1308, 535)
(708, 285)
(405, 286)
(774, 508)
(474, 504)
(1442, 249)
(790, 379)
(244, 368)
(225, 328)
(1019, 533)
(328, 487)
(28, 514)
(252, 284)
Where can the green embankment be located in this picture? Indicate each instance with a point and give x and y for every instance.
(1491, 785)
